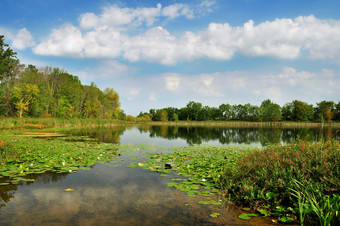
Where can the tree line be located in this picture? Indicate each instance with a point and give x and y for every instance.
(50, 92)
(299, 111)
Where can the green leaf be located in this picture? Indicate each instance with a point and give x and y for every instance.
(215, 214)
(244, 216)
(286, 220)
(212, 202)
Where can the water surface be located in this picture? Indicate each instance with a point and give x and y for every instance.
(119, 195)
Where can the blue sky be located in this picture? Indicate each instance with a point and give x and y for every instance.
(157, 54)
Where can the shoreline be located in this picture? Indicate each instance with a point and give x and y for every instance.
(40, 123)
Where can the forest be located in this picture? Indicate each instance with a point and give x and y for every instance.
(298, 111)
(50, 92)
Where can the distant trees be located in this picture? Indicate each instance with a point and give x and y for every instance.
(297, 111)
(268, 111)
(325, 110)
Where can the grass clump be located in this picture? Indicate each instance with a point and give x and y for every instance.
(302, 179)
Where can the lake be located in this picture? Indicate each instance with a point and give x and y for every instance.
(114, 194)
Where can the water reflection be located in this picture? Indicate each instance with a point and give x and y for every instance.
(8, 192)
(207, 135)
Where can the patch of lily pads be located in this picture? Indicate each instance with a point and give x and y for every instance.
(197, 166)
(37, 156)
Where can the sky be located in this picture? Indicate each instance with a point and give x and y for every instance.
(158, 54)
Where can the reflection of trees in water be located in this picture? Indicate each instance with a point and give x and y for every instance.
(7, 192)
(197, 135)
(103, 134)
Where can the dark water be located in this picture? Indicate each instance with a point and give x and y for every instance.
(119, 195)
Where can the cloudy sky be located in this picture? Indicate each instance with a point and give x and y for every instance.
(158, 53)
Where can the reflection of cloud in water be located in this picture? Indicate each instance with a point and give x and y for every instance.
(107, 196)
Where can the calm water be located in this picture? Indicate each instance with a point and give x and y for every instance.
(119, 195)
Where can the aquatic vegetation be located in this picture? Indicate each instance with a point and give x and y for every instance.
(22, 156)
(293, 183)
(197, 165)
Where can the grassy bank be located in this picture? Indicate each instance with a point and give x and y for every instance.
(31, 123)
(303, 177)
(14, 123)
(248, 124)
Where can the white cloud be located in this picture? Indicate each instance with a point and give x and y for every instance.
(172, 82)
(109, 35)
(23, 39)
(113, 16)
(133, 92)
(247, 86)
(107, 70)
(207, 81)
(65, 41)
(176, 10)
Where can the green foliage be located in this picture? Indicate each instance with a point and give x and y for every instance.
(297, 111)
(269, 111)
(267, 177)
(325, 110)
(9, 64)
(164, 116)
(50, 92)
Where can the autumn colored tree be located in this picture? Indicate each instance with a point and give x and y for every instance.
(324, 110)
(24, 97)
(164, 116)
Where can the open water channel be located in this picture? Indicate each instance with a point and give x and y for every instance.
(107, 195)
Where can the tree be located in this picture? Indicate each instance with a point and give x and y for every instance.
(287, 112)
(226, 111)
(269, 111)
(110, 103)
(65, 109)
(9, 63)
(92, 105)
(24, 97)
(193, 109)
(337, 112)
(164, 116)
(324, 109)
(21, 107)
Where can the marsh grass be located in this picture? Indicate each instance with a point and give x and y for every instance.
(40, 123)
(303, 176)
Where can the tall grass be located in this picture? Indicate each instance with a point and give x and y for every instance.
(304, 176)
(13, 123)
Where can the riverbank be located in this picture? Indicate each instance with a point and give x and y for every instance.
(248, 124)
(31, 123)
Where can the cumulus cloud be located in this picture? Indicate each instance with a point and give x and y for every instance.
(65, 41)
(116, 17)
(113, 34)
(23, 39)
(247, 86)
